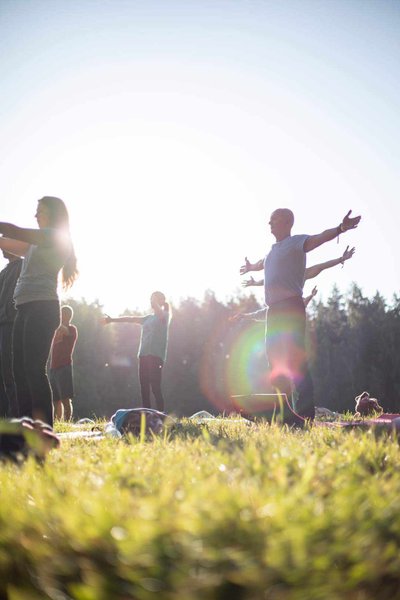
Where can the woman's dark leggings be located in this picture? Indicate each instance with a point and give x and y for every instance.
(33, 332)
(150, 370)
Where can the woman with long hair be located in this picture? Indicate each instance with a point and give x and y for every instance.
(46, 251)
(152, 348)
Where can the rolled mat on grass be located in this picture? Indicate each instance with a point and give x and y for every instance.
(203, 416)
(276, 408)
(77, 435)
(386, 422)
(132, 420)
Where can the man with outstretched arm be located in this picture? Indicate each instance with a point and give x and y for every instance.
(310, 272)
(284, 272)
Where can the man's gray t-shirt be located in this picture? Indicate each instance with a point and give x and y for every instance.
(284, 268)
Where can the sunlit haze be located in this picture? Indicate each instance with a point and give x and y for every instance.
(173, 129)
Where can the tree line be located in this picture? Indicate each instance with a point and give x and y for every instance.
(353, 345)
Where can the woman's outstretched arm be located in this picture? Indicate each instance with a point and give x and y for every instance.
(107, 319)
(34, 237)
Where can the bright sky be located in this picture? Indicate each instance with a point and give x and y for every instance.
(172, 129)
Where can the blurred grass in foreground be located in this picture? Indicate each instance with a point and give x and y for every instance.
(216, 511)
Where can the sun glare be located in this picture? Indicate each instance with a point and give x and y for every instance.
(160, 213)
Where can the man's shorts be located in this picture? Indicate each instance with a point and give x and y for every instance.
(61, 382)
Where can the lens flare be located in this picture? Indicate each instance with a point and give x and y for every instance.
(246, 369)
(285, 344)
(233, 362)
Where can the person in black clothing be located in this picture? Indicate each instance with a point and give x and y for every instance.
(8, 279)
(47, 251)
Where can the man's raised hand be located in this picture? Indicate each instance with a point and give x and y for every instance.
(249, 282)
(246, 267)
(350, 222)
(347, 254)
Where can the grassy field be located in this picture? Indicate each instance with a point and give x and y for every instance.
(223, 511)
